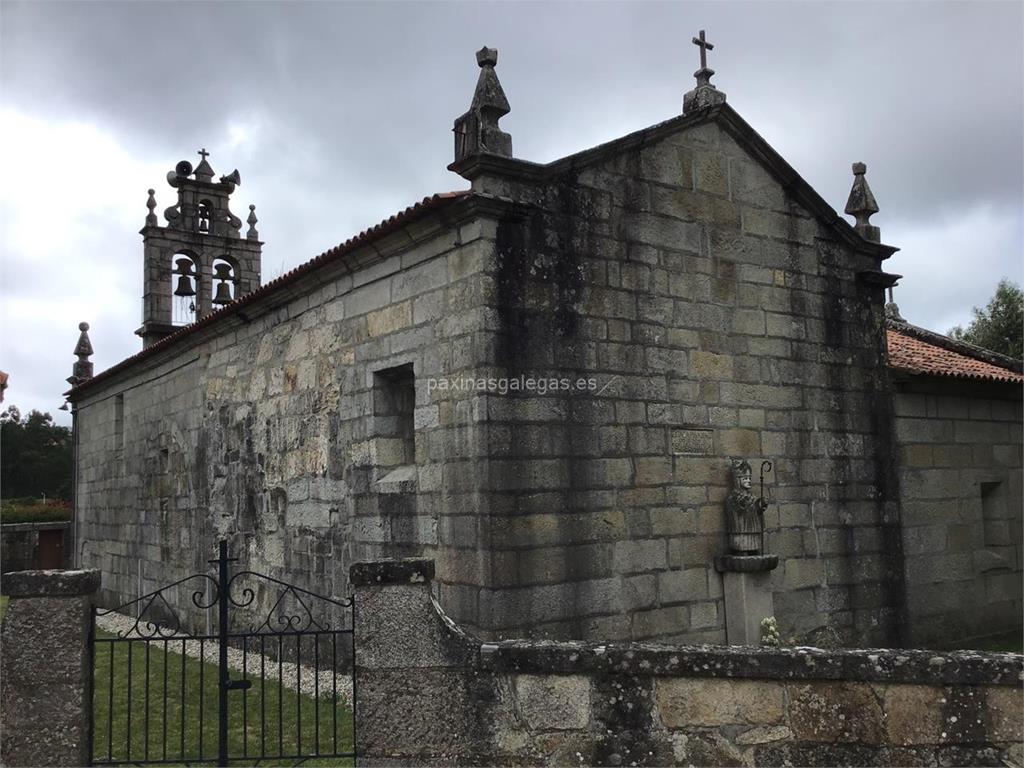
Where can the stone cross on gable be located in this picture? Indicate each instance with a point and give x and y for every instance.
(704, 46)
(705, 94)
(204, 154)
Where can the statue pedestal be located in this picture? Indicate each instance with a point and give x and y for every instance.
(748, 596)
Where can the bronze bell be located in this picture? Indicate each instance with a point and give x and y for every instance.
(184, 287)
(184, 283)
(223, 295)
(223, 273)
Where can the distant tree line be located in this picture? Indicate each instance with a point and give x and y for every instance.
(999, 326)
(35, 456)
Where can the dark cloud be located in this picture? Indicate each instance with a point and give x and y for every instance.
(338, 114)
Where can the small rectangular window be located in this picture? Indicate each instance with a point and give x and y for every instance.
(119, 422)
(394, 403)
(994, 515)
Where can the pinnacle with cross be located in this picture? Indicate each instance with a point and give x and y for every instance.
(203, 171)
(704, 46)
(705, 94)
(204, 154)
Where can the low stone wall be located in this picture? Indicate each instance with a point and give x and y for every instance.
(46, 667)
(428, 692)
(20, 545)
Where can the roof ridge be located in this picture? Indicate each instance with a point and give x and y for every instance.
(956, 345)
(290, 276)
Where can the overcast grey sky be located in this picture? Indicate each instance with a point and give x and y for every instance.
(340, 114)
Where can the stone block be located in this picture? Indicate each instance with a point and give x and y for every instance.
(389, 319)
(640, 556)
(553, 702)
(686, 702)
(653, 470)
(709, 365)
(704, 615)
(739, 442)
(711, 172)
(913, 714)
(660, 622)
(693, 441)
(665, 232)
(672, 521)
(667, 164)
(831, 712)
(1003, 718)
(685, 586)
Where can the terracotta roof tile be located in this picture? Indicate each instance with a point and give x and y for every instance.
(916, 356)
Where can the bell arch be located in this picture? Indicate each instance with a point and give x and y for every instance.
(204, 216)
(225, 280)
(184, 301)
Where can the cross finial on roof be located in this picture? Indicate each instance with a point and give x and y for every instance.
(203, 153)
(705, 94)
(704, 46)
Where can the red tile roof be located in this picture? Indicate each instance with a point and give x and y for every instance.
(339, 251)
(916, 356)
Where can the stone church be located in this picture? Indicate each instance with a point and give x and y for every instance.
(541, 382)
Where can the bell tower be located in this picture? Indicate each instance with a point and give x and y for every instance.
(199, 261)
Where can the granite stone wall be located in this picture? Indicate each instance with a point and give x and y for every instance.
(21, 545)
(429, 693)
(688, 307)
(717, 318)
(46, 668)
(960, 480)
(277, 429)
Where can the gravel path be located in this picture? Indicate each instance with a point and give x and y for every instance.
(123, 625)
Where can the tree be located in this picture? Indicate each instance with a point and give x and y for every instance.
(1000, 326)
(35, 456)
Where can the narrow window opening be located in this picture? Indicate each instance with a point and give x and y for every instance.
(994, 515)
(119, 422)
(203, 216)
(394, 405)
(183, 307)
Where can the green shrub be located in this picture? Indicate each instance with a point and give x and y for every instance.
(34, 510)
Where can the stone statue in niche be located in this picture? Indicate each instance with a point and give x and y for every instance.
(744, 513)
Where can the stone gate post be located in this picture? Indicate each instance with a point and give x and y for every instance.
(46, 667)
(414, 669)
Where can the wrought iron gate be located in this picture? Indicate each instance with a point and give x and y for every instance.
(241, 694)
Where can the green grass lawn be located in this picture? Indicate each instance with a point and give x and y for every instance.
(171, 727)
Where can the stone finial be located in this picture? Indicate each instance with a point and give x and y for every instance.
(151, 220)
(477, 131)
(203, 171)
(705, 94)
(252, 234)
(82, 370)
(892, 310)
(861, 205)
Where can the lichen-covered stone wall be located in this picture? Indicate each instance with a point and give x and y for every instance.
(960, 480)
(46, 668)
(274, 428)
(718, 318)
(429, 692)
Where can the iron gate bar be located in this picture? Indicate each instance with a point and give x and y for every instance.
(157, 621)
